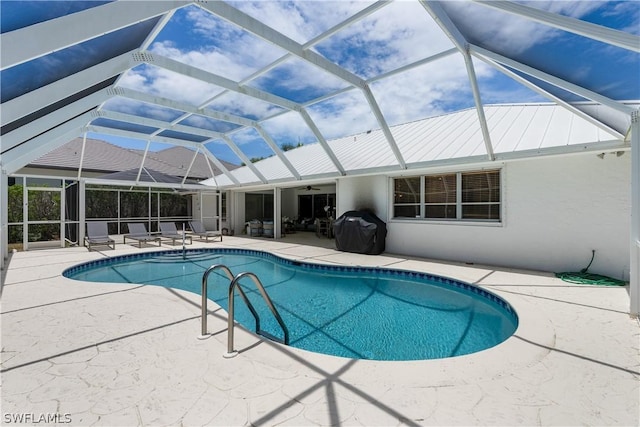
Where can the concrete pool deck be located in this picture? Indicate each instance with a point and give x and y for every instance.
(88, 353)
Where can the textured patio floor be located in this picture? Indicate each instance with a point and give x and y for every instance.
(126, 355)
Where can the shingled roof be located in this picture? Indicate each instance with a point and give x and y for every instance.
(101, 156)
(146, 175)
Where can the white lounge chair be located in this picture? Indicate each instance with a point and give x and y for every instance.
(198, 230)
(97, 235)
(168, 230)
(137, 231)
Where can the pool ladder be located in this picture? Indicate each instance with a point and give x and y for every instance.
(235, 283)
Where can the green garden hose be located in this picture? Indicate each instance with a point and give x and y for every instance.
(582, 277)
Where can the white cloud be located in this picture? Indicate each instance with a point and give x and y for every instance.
(574, 9)
(217, 62)
(208, 123)
(425, 91)
(134, 79)
(129, 106)
(289, 127)
(222, 47)
(396, 35)
(343, 115)
(300, 21)
(296, 75)
(627, 10)
(243, 105)
(158, 81)
(509, 33)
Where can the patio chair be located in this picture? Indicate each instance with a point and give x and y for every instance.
(198, 229)
(137, 231)
(97, 235)
(168, 231)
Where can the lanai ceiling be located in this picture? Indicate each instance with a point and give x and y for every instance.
(240, 80)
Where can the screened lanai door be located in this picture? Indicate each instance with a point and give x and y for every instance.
(49, 219)
(43, 212)
(44, 218)
(210, 215)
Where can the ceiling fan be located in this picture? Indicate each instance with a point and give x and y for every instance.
(309, 188)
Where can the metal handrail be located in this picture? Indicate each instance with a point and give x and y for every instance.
(265, 296)
(205, 276)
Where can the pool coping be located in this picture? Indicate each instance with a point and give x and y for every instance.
(403, 274)
(529, 329)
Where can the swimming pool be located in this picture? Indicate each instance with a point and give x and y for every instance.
(354, 312)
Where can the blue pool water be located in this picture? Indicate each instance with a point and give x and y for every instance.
(364, 313)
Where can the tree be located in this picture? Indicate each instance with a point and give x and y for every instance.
(288, 146)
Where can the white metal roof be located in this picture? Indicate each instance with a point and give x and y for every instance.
(517, 130)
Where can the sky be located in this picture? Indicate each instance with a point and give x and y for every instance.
(394, 36)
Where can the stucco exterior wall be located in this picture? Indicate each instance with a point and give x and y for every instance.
(555, 211)
(363, 192)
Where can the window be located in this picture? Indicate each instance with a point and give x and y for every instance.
(468, 196)
(258, 206)
(406, 197)
(440, 196)
(481, 195)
